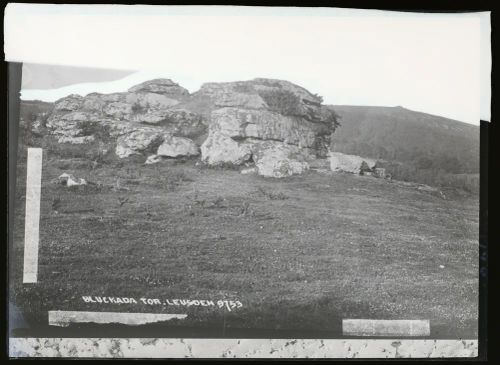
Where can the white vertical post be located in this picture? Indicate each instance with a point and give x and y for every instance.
(32, 217)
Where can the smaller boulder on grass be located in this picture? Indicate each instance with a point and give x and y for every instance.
(249, 171)
(340, 162)
(70, 180)
(151, 160)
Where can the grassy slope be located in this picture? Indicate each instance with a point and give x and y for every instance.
(307, 252)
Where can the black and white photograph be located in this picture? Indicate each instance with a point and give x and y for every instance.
(213, 172)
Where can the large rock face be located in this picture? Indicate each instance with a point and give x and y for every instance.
(240, 123)
(275, 124)
(246, 112)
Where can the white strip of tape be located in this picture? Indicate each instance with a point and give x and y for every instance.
(380, 327)
(204, 348)
(32, 218)
(64, 318)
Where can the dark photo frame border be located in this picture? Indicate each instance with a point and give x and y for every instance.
(13, 75)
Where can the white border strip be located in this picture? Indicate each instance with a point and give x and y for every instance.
(64, 318)
(32, 220)
(33, 35)
(381, 327)
(239, 348)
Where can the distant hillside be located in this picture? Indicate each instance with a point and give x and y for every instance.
(398, 134)
(30, 108)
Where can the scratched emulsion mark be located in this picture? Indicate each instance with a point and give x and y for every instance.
(380, 327)
(32, 218)
(65, 318)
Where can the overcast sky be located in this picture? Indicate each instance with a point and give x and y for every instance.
(430, 63)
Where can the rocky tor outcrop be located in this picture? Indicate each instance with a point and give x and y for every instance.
(137, 122)
(275, 124)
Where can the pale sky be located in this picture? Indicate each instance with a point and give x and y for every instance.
(434, 63)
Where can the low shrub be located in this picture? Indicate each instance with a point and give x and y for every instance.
(219, 166)
(282, 101)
